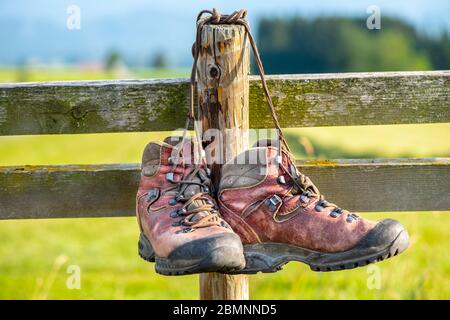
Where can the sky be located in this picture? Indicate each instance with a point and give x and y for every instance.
(137, 28)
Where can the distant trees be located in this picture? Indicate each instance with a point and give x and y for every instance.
(115, 66)
(335, 44)
(22, 71)
(159, 61)
(112, 60)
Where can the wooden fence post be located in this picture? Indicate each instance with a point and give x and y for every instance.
(223, 94)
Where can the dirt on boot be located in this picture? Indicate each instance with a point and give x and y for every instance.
(181, 229)
(281, 216)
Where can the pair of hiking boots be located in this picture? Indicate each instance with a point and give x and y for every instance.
(265, 214)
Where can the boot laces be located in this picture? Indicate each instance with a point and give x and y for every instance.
(198, 210)
(305, 187)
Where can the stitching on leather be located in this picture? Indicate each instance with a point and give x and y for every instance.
(247, 214)
(241, 221)
(287, 216)
(162, 193)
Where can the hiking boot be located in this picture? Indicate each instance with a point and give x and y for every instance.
(181, 229)
(281, 216)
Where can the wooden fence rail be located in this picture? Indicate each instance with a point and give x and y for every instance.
(160, 105)
(108, 190)
(301, 100)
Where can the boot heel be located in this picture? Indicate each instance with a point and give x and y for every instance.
(145, 249)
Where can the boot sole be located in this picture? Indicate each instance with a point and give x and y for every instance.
(271, 257)
(222, 259)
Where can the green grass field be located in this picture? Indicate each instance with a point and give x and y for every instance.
(37, 74)
(35, 254)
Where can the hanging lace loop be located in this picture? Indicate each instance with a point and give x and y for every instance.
(239, 18)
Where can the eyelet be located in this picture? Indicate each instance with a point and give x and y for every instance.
(173, 201)
(304, 199)
(179, 223)
(179, 197)
(170, 177)
(278, 159)
(321, 205)
(336, 212)
(273, 202)
(224, 224)
(152, 194)
(351, 217)
(318, 208)
(174, 214)
(281, 180)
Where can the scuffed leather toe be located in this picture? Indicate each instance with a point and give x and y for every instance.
(383, 234)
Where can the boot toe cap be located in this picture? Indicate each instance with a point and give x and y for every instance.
(386, 233)
(223, 250)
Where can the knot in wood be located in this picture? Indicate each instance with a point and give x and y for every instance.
(214, 72)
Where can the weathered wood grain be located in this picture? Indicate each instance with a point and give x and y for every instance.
(383, 184)
(354, 99)
(223, 100)
(68, 191)
(92, 106)
(109, 190)
(157, 105)
(223, 92)
(225, 286)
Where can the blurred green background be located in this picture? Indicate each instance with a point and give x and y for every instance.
(35, 254)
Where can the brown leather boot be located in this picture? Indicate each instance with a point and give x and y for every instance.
(281, 216)
(181, 229)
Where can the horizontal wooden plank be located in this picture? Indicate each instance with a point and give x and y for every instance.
(92, 106)
(354, 99)
(383, 184)
(109, 190)
(158, 105)
(68, 191)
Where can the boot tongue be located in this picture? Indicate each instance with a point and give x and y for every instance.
(201, 214)
(200, 177)
(193, 189)
(151, 158)
(304, 181)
